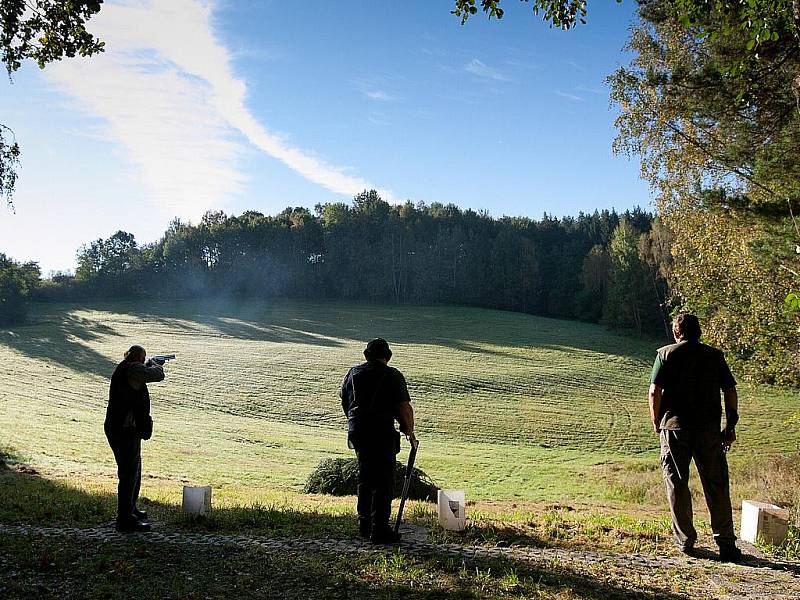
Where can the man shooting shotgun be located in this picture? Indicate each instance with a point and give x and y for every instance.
(127, 423)
(374, 396)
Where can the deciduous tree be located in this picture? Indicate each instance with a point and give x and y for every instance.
(41, 31)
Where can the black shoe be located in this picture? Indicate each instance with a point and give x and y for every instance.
(140, 514)
(730, 554)
(688, 550)
(385, 536)
(364, 528)
(132, 526)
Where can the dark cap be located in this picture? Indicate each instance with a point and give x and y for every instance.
(377, 348)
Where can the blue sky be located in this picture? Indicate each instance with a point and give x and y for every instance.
(241, 105)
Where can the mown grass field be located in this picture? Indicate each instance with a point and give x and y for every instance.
(509, 406)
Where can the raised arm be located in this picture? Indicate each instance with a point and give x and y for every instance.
(139, 374)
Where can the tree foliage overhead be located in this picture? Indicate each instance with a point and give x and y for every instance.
(46, 30)
(564, 14)
(42, 31)
(9, 162)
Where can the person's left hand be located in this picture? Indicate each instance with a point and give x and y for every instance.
(728, 437)
(656, 427)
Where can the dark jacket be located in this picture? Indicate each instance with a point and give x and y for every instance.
(371, 394)
(128, 409)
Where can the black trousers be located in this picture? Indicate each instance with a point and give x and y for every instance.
(375, 486)
(678, 448)
(127, 450)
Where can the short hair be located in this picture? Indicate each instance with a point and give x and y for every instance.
(687, 325)
(134, 352)
(377, 349)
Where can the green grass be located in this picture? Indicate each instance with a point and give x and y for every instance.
(509, 406)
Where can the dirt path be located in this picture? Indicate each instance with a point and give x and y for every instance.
(756, 578)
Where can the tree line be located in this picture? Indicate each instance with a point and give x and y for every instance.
(601, 267)
(17, 283)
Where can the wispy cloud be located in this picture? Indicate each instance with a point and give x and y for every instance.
(575, 65)
(592, 90)
(568, 96)
(377, 118)
(166, 93)
(378, 95)
(374, 88)
(480, 69)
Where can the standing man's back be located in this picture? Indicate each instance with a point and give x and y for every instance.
(691, 375)
(374, 396)
(686, 411)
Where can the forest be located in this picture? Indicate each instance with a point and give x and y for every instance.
(602, 267)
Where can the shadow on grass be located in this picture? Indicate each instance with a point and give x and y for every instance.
(58, 567)
(459, 328)
(59, 336)
(252, 320)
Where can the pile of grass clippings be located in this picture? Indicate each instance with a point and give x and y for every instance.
(339, 477)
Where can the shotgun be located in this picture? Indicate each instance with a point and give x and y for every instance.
(412, 456)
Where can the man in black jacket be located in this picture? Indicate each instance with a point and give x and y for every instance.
(374, 395)
(127, 423)
(686, 411)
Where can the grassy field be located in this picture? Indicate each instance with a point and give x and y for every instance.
(509, 407)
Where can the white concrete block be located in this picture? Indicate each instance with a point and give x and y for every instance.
(196, 501)
(451, 505)
(764, 522)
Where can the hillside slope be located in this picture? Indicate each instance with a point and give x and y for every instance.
(508, 405)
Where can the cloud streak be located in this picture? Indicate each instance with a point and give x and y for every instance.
(166, 92)
(480, 69)
(568, 96)
(379, 95)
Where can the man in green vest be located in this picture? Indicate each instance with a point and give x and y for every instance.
(685, 408)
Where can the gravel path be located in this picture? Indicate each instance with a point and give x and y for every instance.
(756, 578)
